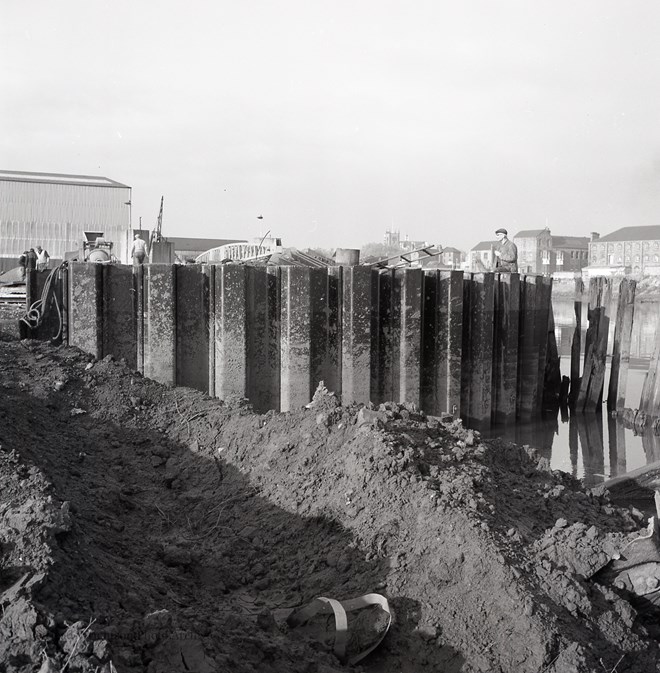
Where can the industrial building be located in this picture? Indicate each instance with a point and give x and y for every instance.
(630, 250)
(54, 210)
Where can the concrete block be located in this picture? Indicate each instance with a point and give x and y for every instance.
(160, 323)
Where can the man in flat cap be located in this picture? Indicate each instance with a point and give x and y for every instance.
(506, 253)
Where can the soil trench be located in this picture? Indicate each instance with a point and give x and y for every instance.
(148, 528)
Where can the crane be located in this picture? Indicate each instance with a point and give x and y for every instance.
(157, 233)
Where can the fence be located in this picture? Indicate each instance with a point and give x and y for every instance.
(476, 345)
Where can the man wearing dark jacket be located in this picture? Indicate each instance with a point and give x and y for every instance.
(506, 253)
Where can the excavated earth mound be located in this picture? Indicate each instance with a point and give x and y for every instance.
(148, 528)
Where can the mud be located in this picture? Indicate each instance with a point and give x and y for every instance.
(147, 528)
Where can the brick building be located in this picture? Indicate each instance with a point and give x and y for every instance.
(632, 249)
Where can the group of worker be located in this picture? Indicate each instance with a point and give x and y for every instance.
(34, 258)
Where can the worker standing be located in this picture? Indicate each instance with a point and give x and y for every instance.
(42, 258)
(22, 263)
(506, 252)
(31, 260)
(138, 250)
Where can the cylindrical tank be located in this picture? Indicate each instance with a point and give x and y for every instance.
(99, 255)
(347, 257)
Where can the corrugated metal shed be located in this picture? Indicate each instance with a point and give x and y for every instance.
(53, 210)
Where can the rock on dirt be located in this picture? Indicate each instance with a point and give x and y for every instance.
(162, 536)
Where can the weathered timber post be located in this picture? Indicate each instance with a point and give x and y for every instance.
(593, 377)
(442, 342)
(407, 324)
(576, 344)
(357, 292)
(505, 346)
(616, 392)
(160, 323)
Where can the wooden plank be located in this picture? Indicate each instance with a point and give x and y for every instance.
(593, 377)
(616, 392)
(576, 344)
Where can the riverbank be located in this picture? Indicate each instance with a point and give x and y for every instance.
(145, 525)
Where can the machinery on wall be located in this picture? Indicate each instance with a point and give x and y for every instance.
(96, 249)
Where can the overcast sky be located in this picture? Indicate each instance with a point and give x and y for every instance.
(338, 120)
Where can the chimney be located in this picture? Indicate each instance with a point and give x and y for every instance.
(594, 236)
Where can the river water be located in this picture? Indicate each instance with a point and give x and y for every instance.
(595, 447)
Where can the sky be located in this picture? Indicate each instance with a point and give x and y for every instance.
(335, 121)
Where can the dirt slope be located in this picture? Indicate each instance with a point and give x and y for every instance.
(158, 529)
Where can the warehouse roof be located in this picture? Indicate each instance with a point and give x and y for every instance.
(59, 179)
(646, 233)
(570, 242)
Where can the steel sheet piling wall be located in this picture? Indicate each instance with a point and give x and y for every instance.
(160, 323)
(505, 346)
(356, 318)
(230, 331)
(407, 341)
(442, 342)
(86, 307)
(192, 326)
(263, 338)
(119, 313)
(472, 345)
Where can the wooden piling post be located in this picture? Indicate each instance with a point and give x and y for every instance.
(576, 344)
(616, 392)
(593, 377)
(541, 321)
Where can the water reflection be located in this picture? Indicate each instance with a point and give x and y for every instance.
(575, 443)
